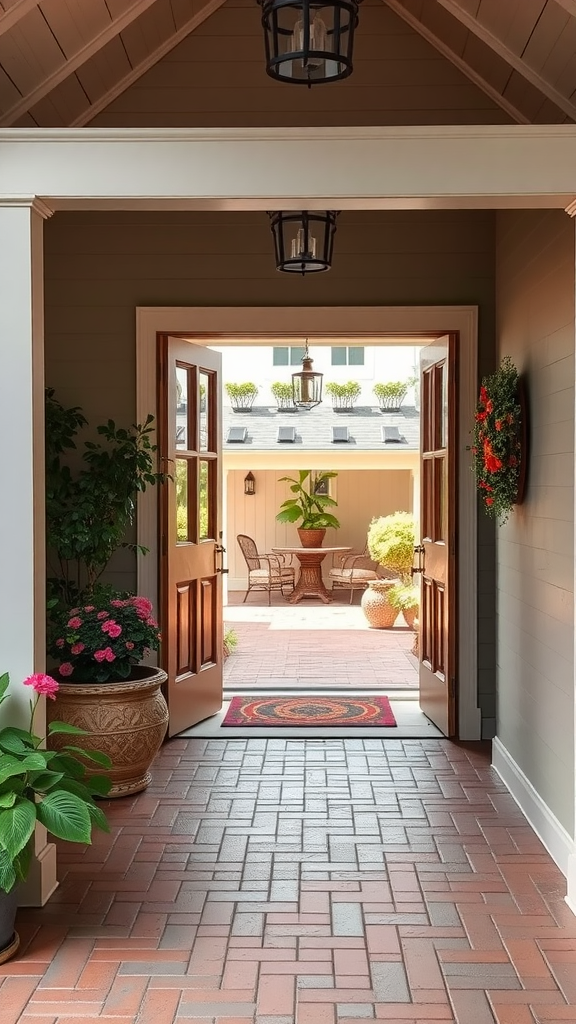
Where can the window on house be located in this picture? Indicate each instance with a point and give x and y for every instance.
(284, 355)
(348, 355)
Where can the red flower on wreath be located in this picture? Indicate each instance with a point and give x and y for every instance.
(496, 446)
(491, 461)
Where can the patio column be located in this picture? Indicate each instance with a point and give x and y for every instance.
(22, 527)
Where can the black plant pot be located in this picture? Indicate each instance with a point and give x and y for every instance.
(9, 940)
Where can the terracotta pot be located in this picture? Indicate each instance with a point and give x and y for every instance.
(375, 604)
(9, 940)
(311, 538)
(126, 720)
(410, 616)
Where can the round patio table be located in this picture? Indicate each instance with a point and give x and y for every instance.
(310, 582)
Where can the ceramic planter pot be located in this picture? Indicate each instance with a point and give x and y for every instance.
(375, 605)
(311, 538)
(9, 940)
(410, 616)
(126, 720)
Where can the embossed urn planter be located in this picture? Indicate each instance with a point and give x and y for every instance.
(376, 606)
(126, 720)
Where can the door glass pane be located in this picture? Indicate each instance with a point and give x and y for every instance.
(204, 411)
(181, 481)
(203, 500)
(181, 407)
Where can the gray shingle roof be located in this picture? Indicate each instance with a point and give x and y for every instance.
(313, 429)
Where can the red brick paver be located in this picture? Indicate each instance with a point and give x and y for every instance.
(304, 882)
(312, 645)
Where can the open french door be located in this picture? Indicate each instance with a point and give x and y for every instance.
(190, 523)
(437, 551)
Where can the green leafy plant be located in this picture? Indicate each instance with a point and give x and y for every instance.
(391, 541)
(497, 447)
(90, 509)
(391, 394)
(46, 786)
(343, 395)
(101, 641)
(230, 641)
(307, 506)
(242, 395)
(403, 595)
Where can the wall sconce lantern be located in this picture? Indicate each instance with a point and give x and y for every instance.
(307, 385)
(303, 240)
(249, 484)
(309, 41)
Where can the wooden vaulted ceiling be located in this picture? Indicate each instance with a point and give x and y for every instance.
(62, 62)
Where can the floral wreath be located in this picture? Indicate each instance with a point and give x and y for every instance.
(497, 447)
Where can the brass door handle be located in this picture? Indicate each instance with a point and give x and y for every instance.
(220, 550)
(418, 565)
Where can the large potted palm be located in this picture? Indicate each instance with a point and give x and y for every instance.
(98, 636)
(309, 507)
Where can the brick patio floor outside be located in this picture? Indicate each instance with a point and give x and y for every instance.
(312, 645)
(304, 882)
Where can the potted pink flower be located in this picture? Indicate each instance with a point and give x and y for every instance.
(51, 787)
(98, 648)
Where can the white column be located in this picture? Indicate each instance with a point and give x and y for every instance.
(22, 528)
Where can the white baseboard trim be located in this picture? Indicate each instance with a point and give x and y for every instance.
(554, 836)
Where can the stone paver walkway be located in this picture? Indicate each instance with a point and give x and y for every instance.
(304, 882)
(312, 645)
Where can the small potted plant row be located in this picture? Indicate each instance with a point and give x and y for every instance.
(391, 394)
(241, 395)
(344, 396)
(284, 395)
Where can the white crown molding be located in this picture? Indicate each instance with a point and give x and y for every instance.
(35, 204)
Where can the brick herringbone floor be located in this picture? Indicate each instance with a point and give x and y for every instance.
(308, 881)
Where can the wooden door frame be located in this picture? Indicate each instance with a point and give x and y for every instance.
(213, 325)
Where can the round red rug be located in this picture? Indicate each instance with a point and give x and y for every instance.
(309, 711)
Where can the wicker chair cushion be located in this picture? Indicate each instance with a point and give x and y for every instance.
(264, 574)
(346, 575)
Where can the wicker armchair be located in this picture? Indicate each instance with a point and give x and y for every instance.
(265, 571)
(354, 571)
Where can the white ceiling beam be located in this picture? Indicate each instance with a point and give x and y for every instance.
(76, 61)
(398, 7)
(14, 14)
(515, 61)
(209, 8)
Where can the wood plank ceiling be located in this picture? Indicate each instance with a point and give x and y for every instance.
(64, 61)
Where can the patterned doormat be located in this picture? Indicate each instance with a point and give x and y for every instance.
(309, 711)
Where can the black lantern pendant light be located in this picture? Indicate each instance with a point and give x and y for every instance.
(309, 41)
(307, 385)
(303, 240)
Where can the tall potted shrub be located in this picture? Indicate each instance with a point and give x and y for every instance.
(44, 786)
(390, 543)
(284, 395)
(98, 637)
(308, 508)
(391, 394)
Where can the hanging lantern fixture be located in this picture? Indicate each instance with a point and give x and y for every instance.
(303, 240)
(250, 483)
(307, 385)
(309, 41)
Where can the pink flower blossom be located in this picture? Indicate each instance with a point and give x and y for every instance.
(66, 669)
(74, 611)
(77, 648)
(89, 608)
(100, 655)
(110, 656)
(60, 641)
(143, 607)
(151, 622)
(74, 622)
(112, 628)
(117, 603)
(43, 684)
(102, 615)
(129, 645)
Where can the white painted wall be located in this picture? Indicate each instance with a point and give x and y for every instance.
(361, 495)
(535, 572)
